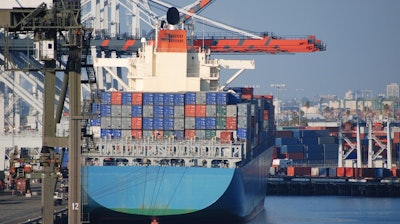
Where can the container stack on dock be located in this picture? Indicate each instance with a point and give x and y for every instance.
(307, 146)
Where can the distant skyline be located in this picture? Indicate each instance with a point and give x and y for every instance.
(362, 38)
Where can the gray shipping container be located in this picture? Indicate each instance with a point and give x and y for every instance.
(179, 124)
(200, 134)
(243, 109)
(200, 97)
(116, 122)
(190, 123)
(105, 122)
(211, 110)
(126, 110)
(126, 133)
(147, 134)
(126, 123)
(148, 110)
(179, 111)
(231, 110)
(116, 110)
(243, 122)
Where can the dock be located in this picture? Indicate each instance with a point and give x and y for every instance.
(333, 186)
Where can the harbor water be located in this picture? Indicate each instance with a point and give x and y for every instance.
(328, 209)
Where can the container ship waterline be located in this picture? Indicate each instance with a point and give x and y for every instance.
(178, 145)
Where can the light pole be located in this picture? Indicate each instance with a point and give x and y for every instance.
(297, 90)
(278, 87)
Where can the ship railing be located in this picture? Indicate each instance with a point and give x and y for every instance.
(205, 149)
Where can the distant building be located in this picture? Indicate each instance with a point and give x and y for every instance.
(392, 90)
(349, 95)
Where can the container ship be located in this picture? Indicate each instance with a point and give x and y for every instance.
(178, 146)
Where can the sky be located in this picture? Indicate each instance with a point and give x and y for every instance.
(362, 39)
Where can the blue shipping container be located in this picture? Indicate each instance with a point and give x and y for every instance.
(168, 111)
(190, 98)
(137, 111)
(158, 111)
(105, 110)
(179, 99)
(148, 99)
(242, 134)
(292, 148)
(126, 98)
(148, 123)
(286, 141)
(106, 97)
(116, 133)
(158, 124)
(105, 133)
(169, 99)
(168, 124)
(211, 98)
(211, 123)
(158, 99)
(179, 134)
(95, 122)
(200, 123)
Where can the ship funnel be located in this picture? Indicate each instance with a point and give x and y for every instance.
(173, 18)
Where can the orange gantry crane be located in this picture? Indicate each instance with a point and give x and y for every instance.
(234, 41)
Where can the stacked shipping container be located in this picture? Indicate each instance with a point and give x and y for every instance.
(226, 116)
(307, 146)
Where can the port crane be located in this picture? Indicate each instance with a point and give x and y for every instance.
(233, 41)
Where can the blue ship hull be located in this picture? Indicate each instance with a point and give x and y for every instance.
(177, 193)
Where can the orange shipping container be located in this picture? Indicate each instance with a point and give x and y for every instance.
(349, 172)
(231, 123)
(395, 172)
(136, 123)
(137, 134)
(226, 136)
(200, 110)
(298, 171)
(137, 98)
(340, 172)
(116, 98)
(190, 110)
(190, 134)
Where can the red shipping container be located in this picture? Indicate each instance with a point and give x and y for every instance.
(116, 98)
(226, 136)
(298, 171)
(395, 172)
(190, 134)
(340, 172)
(136, 123)
(137, 134)
(247, 96)
(231, 123)
(137, 98)
(266, 115)
(200, 110)
(350, 172)
(366, 172)
(396, 137)
(268, 97)
(190, 110)
(294, 155)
